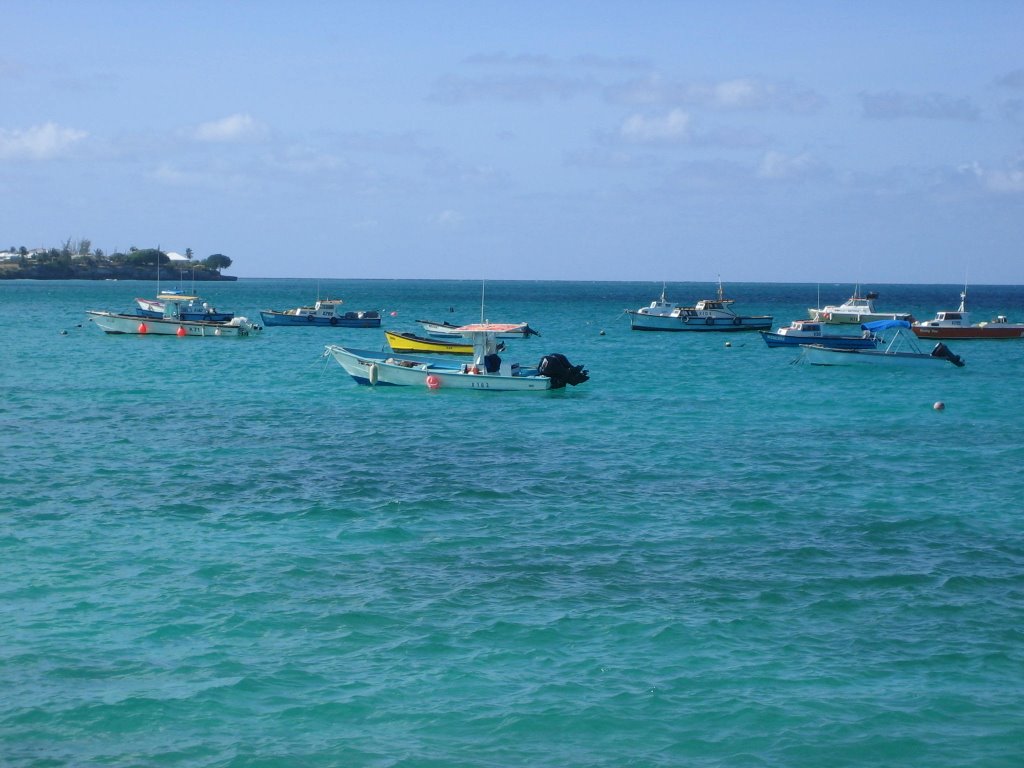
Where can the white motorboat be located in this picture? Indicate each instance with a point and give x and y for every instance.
(855, 310)
(901, 351)
(172, 322)
(802, 332)
(706, 315)
(487, 371)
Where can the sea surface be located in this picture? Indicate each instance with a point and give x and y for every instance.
(223, 552)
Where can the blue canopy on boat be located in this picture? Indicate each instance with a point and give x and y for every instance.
(881, 325)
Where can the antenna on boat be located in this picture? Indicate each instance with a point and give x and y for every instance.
(483, 284)
(720, 293)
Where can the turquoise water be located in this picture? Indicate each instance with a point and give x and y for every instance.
(222, 552)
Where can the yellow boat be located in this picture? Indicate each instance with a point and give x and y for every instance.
(410, 342)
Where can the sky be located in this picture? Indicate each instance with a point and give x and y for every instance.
(850, 142)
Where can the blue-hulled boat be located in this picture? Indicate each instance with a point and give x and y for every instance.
(802, 332)
(324, 312)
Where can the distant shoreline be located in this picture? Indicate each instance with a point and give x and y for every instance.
(73, 272)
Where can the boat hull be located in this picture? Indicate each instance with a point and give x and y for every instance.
(374, 368)
(819, 355)
(112, 323)
(640, 321)
(449, 331)
(272, 317)
(834, 317)
(773, 339)
(991, 331)
(407, 342)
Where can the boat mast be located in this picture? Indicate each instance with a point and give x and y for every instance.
(483, 284)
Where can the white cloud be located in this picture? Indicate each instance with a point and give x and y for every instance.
(673, 127)
(41, 142)
(448, 218)
(232, 128)
(776, 165)
(738, 94)
(999, 180)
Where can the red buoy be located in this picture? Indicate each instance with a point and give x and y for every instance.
(143, 329)
(181, 331)
(433, 382)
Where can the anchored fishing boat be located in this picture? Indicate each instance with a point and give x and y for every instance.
(957, 325)
(188, 307)
(902, 351)
(323, 312)
(171, 323)
(410, 342)
(446, 330)
(855, 310)
(487, 371)
(802, 332)
(706, 315)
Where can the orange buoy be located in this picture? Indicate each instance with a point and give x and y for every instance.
(181, 331)
(143, 329)
(433, 382)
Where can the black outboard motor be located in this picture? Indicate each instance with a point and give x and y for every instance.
(941, 350)
(561, 372)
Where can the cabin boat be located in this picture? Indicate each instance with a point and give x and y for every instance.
(189, 307)
(902, 350)
(323, 312)
(706, 315)
(171, 322)
(957, 325)
(855, 310)
(487, 371)
(802, 332)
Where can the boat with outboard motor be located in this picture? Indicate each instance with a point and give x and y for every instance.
(323, 312)
(190, 307)
(802, 332)
(901, 351)
(171, 323)
(706, 315)
(487, 371)
(410, 342)
(957, 325)
(855, 310)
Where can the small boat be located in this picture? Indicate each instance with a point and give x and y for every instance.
(410, 342)
(855, 310)
(487, 371)
(171, 323)
(802, 332)
(902, 350)
(706, 315)
(323, 312)
(957, 325)
(447, 330)
(189, 307)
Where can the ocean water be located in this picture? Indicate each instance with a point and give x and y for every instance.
(222, 552)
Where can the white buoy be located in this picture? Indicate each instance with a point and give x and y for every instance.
(939, 405)
(373, 374)
(728, 343)
(601, 333)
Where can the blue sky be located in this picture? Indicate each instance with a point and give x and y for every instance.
(797, 141)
